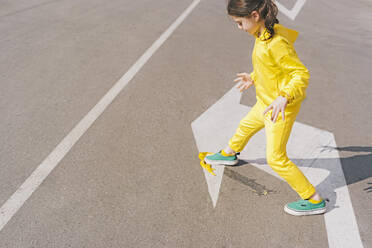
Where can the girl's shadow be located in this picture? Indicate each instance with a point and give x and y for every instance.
(355, 168)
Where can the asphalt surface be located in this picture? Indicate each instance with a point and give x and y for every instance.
(133, 179)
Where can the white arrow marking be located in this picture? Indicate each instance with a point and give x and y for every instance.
(294, 11)
(307, 147)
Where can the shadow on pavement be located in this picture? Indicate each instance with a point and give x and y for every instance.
(355, 168)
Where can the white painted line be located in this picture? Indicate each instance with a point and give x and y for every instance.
(305, 148)
(16, 201)
(294, 11)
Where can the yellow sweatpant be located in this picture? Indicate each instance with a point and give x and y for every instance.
(277, 135)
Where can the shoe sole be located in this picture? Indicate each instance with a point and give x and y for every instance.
(221, 163)
(299, 213)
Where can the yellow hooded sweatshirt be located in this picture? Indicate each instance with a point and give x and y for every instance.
(277, 70)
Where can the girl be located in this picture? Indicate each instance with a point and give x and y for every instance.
(280, 80)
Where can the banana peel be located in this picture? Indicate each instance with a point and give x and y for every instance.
(204, 165)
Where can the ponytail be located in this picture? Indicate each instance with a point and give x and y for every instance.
(269, 11)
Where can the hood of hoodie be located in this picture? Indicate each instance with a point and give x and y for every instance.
(290, 34)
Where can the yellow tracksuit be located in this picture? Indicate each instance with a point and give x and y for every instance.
(277, 70)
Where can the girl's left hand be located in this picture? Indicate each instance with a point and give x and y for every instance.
(277, 105)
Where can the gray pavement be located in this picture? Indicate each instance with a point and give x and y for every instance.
(133, 179)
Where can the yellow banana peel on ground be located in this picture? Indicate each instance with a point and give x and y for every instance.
(203, 164)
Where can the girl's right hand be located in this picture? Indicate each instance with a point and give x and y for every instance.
(246, 81)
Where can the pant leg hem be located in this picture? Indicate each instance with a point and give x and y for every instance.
(307, 194)
(236, 149)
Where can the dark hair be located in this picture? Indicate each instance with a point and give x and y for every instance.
(266, 8)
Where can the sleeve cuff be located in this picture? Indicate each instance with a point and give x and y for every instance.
(286, 95)
(252, 75)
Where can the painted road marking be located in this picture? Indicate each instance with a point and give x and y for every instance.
(16, 201)
(294, 11)
(310, 148)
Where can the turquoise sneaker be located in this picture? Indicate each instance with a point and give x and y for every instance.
(304, 207)
(219, 159)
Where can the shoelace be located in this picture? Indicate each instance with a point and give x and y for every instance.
(237, 153)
